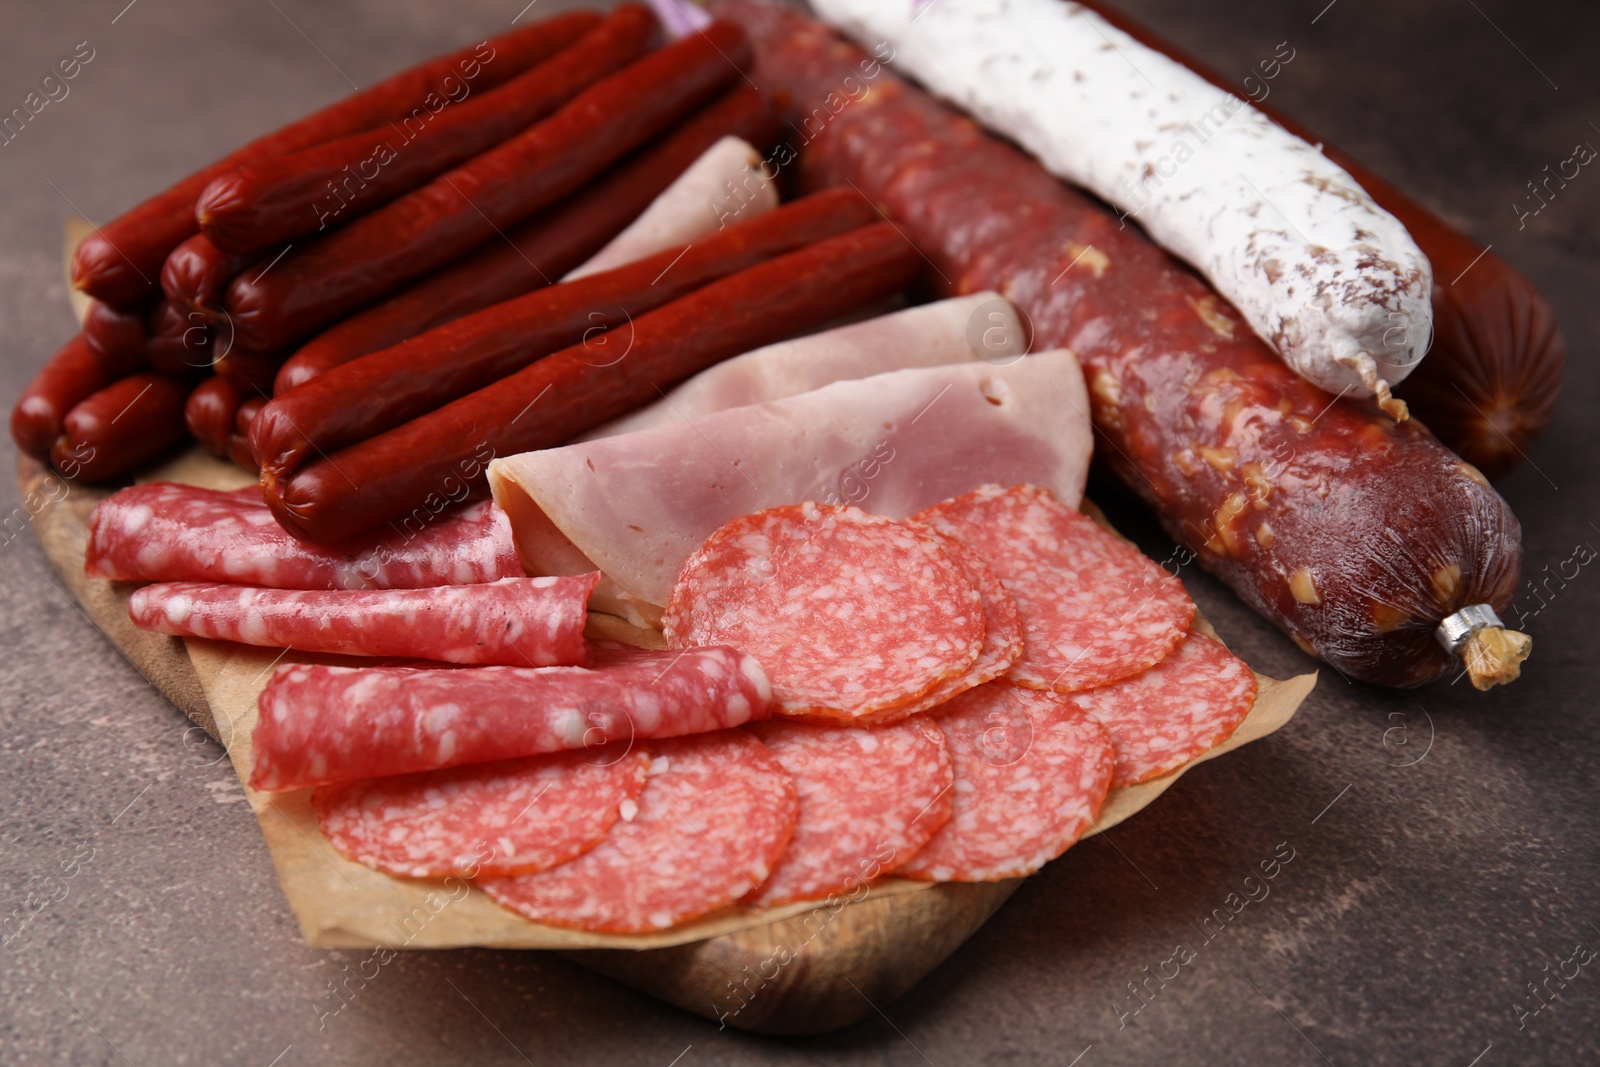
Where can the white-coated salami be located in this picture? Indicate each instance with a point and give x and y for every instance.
(336, 724)
(168, 532)
(517, 622)
(1093, 609)
(506, 818)
(869, 800)
(1031, 771)
(1318, 269)
(715, 814)
(851, 614)
(1182, 707)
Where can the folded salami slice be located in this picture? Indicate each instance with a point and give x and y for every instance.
(1093, 608)
(1182, 707)
(715, 814)
(869, 799)
(1002, 638)
(1031, 771)
(850, 613)
(517, 622)
(506, 818)
(337, 724)
(167, 532)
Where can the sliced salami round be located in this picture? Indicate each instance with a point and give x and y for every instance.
(1031, 771)
(1094, 609)
(1181, 708)
(851, 614)
(869, 799)
(504, 818)
(716, 812)
(1002, 638)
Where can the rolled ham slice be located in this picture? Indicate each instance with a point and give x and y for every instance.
(168, 532)
(638, 504)
(725, 185)
(517, 622)
(983, 326)
(338, 724)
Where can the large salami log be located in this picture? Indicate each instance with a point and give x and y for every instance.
(1367, 541)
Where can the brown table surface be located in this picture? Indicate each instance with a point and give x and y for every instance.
(1421, 899)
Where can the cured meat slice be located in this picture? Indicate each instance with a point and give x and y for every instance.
(982, 326)
(1182, 707)
(1093, 608)
(727, 184)
(869, 799)
(850, 613)
(504, 818)
(716, 812)
(336, 724)
(517, 622)
(1002, 638)
(1031, 771)
(638, 504)
(168, 532)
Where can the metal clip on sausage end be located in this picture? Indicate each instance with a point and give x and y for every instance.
(1492, 653)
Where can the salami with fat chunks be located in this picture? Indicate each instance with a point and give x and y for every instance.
(1093, 608)
(169, 532)
(319, 725)
(716, 812)
(1177, 710)
(851, 614)
(1002, 638)
(869, 799)
(506, 818)
(1031, 771)
(516, 622)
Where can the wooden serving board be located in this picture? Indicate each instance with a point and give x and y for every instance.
(808, 971)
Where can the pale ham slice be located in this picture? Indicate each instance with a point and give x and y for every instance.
(983, 326)
(638, 504)
(725, 185)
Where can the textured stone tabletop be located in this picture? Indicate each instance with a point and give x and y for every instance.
(1442, 841)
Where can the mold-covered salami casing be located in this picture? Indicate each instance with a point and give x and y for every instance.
(1354, 534)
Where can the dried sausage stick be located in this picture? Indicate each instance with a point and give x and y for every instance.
(383, 389)
(540, 250)
(120, 262)
(581, 387)
(210, 411)
(67, 379)
(281, 198)
(403, 240)
(120, 427)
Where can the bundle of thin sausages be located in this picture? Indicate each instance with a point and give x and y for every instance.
(455, 185)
